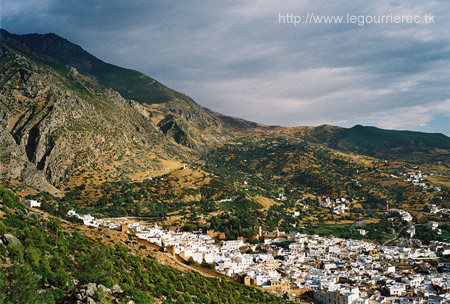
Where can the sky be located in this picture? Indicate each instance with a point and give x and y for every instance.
(272, 62)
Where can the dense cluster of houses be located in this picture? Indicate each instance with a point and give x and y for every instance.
(331, 270)
(347, 271)
(416, 178)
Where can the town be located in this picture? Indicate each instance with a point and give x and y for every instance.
(326, 270)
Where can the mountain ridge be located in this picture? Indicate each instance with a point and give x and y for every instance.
(63, 112)
(87, 63)
(373, 141)
(65, 52)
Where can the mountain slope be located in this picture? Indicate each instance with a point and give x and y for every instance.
(129, 83)
(67, 117)
(181, 118)
(57, 121)
(375, 141)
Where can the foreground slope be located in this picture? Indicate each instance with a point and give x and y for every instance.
(47, 260)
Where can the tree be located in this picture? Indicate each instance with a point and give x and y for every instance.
(96, 266)
(2, 228)
(23, 284)
(38, 237)
(16, 253)
(61, 278)
(32, 256)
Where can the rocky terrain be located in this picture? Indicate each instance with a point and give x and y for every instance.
(67, 115)
(57, 122)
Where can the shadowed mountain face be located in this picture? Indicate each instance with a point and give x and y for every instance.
(65, 113)
(378, 142)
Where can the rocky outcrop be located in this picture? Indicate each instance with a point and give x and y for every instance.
(55, 122)
(10, 239)
(93, 293)
(176, 130)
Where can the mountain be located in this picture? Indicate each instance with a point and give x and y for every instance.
(61, 116)
(129, 83)
(56, 120)
(67, 117)
(374, 141)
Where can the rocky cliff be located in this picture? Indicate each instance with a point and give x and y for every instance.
(56, 123)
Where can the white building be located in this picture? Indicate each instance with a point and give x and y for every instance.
(340, 209)
(362, 232)
(396, 290)
(411, 231)
(232, 245)
(32, 204)
(87, 219)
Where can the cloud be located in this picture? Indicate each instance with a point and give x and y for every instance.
(413, 117)
(236, 58)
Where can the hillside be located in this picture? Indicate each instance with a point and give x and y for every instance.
(57, 123)
(111, 141)
(178, 110)
(374, 141)
(44, 259)
(129, 83)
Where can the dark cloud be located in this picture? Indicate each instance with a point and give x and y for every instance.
(236, 58)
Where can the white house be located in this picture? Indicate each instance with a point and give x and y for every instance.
(340, 209)
(432, 225)
(32, 204)
(87, 219)
(396, 290)
(411, 231)
(73, 213)
(232, 245)
(362, 232)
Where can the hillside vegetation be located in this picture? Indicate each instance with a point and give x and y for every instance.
(388, 143)
(53, 261)
(79, 133)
